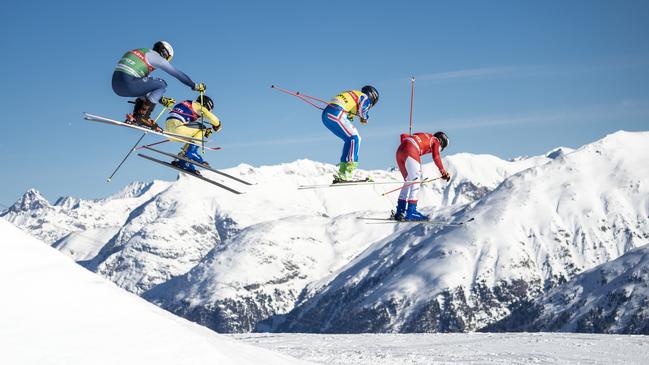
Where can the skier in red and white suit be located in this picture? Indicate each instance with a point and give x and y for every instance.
(409, 154)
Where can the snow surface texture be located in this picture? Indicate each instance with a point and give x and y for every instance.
(611, 298)
(457, 349)
(56, 312)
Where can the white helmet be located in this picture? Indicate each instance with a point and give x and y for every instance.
(164, 49)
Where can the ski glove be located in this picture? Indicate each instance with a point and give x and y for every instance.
(200, 87)
(363, 121)
(217, 128)
(167, 102)
(445, 175)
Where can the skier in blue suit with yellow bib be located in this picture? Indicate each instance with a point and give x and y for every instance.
(338, 117)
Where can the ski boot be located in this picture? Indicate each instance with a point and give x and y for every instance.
(190, 168)
(142, 115)
(190, 152)
(345, 172)
(413, 215)
(400, 214)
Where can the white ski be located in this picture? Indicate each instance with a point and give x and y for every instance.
(390, 220)
(207, 167)
(350, 183)
(190, 174)
(171, 136)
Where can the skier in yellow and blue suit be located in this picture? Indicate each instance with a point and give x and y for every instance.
(338, 117)
(186, 119)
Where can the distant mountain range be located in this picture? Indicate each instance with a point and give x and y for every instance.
(282, 259)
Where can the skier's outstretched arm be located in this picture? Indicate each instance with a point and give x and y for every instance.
(158, 62)
(437, 156)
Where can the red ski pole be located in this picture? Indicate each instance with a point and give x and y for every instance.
(312, 98)
(412, 99)
(300, 96)
(410, 184)
(305, 98)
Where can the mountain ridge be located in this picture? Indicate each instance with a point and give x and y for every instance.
(237, 264)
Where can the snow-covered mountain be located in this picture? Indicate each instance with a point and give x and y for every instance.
(76, 226)
(299, 237)
(278, 258)
(173, 226)
(538, 229)
(55, 312)
(611, 298)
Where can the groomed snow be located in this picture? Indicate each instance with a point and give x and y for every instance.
(458, 349)
(53, 311)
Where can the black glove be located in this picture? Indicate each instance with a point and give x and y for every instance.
(200, 87)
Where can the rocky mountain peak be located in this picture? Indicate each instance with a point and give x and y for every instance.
(32, 200)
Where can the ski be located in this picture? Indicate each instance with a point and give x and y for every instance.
(390, 220)
(190, 174)
(348, 183)
(206, 167)
(169, 135)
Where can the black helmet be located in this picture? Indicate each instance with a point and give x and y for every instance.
(371, 93)
(442, 138)
(164, 49)
(205, 101)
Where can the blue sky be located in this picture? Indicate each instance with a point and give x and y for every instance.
(507, 78)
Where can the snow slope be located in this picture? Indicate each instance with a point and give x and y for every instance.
(611, 298)
(55, 312)
(457, 349)
(539, 228)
